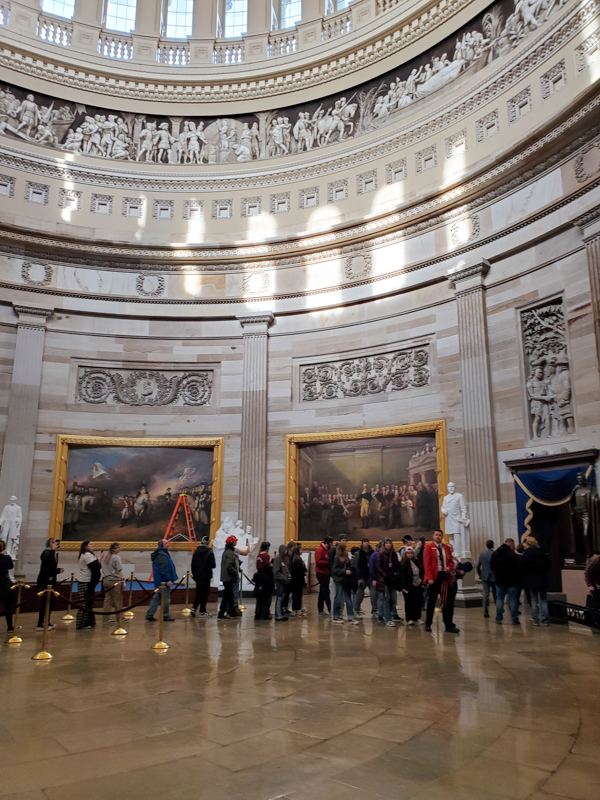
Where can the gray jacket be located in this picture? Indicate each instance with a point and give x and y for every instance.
(484, 569)
(281, 572)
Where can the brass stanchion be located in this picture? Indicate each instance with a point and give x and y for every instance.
(68, 617)
(160, 645)
(130, 614)
(118, 616)
(187, 610)
(15, 638)
(44, 655)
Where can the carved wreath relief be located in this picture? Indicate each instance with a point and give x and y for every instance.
(548, 383)
(357, 377)
(144, 387)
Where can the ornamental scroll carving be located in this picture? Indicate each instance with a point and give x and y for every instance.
(548, 384)
(135, 387)
(358, 377)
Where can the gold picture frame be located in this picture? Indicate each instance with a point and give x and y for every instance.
(293, 440)
(61, 467)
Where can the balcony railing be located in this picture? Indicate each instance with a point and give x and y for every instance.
(228, 52)
(56, 31)
(119, 47)
(280, 44)
(338, 25)
(173, 55)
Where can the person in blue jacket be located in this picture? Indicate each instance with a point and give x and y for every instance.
(163, 571)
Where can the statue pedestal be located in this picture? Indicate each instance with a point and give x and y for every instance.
(468, 594)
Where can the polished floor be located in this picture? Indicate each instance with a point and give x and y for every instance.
(302, 710)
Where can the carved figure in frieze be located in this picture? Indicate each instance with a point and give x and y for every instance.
(563, 395)
(182, 144)
(255, 136)
(164, 141)
(28, 115)
(148, 141)
(539, 400)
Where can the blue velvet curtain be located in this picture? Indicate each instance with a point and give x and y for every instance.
(548, 487)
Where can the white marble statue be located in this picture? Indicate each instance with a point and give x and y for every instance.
(10, 526)
(221, 535)
(454, 509)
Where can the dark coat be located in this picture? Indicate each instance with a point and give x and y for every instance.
(362, 563)
(506, 566)
(229, 566)
(264, 582)
(535, 565)
(6, 564)
(387, 570)
(281, 572)
(298, 573)
(338, 569)
(163, 568)
(203, 563)
(49, 569)
(406, 574)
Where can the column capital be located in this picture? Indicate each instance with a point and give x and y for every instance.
(468, 275)
(256, 323)
(33, 316)
(589, 223)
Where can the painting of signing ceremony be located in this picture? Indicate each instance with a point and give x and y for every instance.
(129, 493)
(368, 487)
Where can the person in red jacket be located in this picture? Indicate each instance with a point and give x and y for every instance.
(323, 575)
(440, 578)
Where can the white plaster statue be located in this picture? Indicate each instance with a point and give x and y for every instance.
(10, 526)
(454, 509)
(221, 535)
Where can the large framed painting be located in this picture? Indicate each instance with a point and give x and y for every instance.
(365, 483)
(112, 489)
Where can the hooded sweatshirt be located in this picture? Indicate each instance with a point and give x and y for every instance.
(280, 568)
(203, 563)
(163, 568)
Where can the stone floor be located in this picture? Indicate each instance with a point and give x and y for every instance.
(302, 710)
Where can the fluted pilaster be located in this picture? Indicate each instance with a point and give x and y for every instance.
(253, 459)
(482, 490)
(590, 225)
(21, 426)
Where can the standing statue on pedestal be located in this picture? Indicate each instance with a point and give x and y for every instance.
(10, 527)
(585, 513)
(454, 509)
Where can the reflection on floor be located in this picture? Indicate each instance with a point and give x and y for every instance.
(302, 710)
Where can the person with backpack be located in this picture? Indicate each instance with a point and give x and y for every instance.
(203, 563)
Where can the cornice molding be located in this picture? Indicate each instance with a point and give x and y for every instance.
(170, 86)
(318, 164)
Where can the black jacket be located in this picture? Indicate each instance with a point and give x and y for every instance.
(49, 569)
(297, 573)
(535, 565)
(6, 564)
(406, 574)
(203, 563)
(506, 566)
(362, 564)
(264, 582)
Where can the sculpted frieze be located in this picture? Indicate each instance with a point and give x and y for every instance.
(196, 141)
(134, 387)
(360, 377)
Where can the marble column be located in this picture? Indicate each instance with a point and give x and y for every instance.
(148, 29)
(21, 425)
(87, 23)
(482, 491)
(253, 458)
(590, 225)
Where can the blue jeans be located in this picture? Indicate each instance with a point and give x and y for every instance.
(279, 594)
(155, 603)
(512, 592)
(341, 597)
(386, 603)
(539, 602)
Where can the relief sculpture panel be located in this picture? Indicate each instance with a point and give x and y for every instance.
(548, 383)
(138, 387)
(125, 136)
(358, 377)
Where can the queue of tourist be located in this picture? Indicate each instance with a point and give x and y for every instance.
(419, 572)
